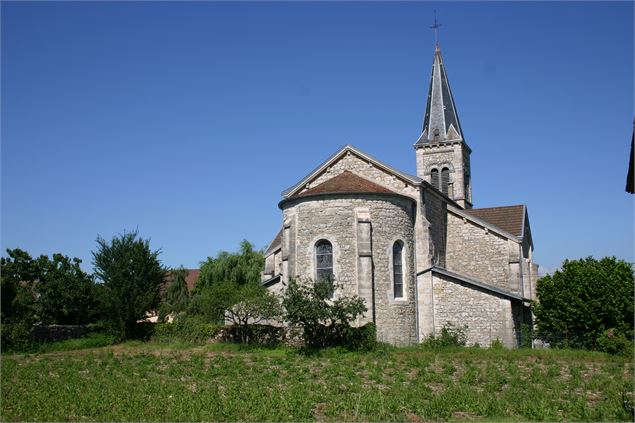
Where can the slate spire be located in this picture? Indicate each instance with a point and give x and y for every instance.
(441, 122)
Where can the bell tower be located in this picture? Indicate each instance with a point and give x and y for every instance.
(443, 156)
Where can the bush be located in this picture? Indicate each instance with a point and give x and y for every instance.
(323, 319)
(266, 335)
(185, 329)
(362, 338)
(614, 342)
(497, 344)
(577, 304)
(450, 336)
(525, 336)
(16, 337)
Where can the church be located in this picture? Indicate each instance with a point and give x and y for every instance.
(413, 247)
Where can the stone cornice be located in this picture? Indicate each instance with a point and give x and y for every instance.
(335, 195)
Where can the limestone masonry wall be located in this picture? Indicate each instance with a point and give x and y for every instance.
(435, 210)
(487, 316)
(472, 251)
(335, 218)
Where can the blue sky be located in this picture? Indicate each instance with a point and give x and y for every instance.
(187, 120)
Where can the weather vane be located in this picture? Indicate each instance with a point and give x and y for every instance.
(436, 27)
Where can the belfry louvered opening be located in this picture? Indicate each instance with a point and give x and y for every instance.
(445, 180)
(434, 178)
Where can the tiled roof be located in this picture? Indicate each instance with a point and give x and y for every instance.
(275, 243)
(192, 277)
(190, 280)
(346, 182)
(348, 148)
(508, 218)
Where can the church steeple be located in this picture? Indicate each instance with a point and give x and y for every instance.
(441, 121)
(443, 157)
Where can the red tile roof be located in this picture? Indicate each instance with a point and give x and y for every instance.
(190, 280)
(346, 182)
(507, 218)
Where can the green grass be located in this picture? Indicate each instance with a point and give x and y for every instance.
(216, 382)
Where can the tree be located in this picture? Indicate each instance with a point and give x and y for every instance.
(132, 275)
(252, 304)
(578, 304)
(240, 305)
(17, 277)
(323, 320)
(46, 290)
(241, 268)
(177, 296)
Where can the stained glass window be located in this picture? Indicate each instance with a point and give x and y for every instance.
(397, 268)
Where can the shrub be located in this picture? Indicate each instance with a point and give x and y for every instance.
(323, 319)
(497, 344)
(362, 338)
(526, 336)
(266, 335)
(16, 337)
(450, 336)
(614, 342)
(577, 304)
(185, 329)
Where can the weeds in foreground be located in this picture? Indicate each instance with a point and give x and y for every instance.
(145, 381)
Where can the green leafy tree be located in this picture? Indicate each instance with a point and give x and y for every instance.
(66, 293)
(46, 290)
(17, 277)
(241, 267)
(324, 320)
(252, 304)
(132, 275)
(177, 296)
(241, 305)
(578, 304)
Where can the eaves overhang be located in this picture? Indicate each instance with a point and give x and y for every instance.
(270, 281)
(332, 195)
(413, 180)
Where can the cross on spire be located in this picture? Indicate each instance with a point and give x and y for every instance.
(436, 27)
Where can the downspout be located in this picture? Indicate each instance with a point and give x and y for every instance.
(416, 281)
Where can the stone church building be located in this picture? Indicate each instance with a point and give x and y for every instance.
(412, 247)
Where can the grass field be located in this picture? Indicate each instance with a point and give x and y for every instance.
(154, 382)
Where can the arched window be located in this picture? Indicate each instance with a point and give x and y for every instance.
(434, 178)
(445, 180)
(397, 268)
(323, 261)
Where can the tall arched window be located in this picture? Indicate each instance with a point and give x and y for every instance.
(445, 180)
(397, 268)
(323, 261)
(434, 178)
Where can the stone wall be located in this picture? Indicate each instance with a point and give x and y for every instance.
(454, 156)
(435, 211)
(365, 169)
(53, 333)
(488, 316)
(478, 253)
(336, 219)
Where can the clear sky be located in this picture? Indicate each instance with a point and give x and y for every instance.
(187, 120)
